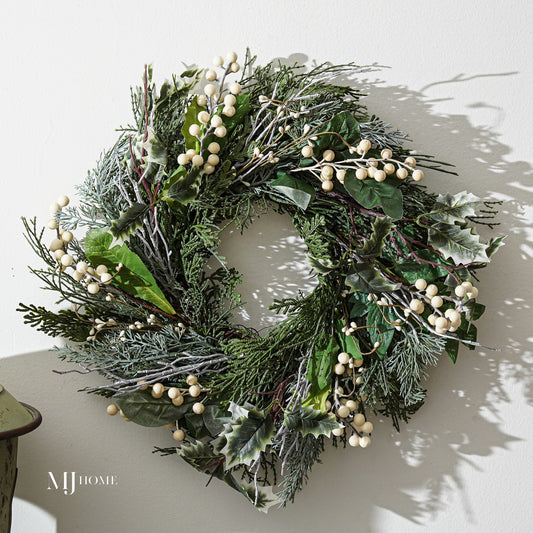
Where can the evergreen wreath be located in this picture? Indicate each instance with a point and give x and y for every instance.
(394, 262)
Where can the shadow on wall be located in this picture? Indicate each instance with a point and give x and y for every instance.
(411, 474)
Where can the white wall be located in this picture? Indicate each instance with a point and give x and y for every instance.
(459, 81)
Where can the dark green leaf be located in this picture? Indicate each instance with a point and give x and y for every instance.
(299, 192)
(410, 271)
(242, 108)
(191, 117)
(309, 421)
(359, 305)
(320, 365)
(249, 437)
(370, 194)
(129, 221)
(365, 278)
(460, 245)
(133, 278)
(379, 328)
(342, 127)
(373, 246)
(348, 343)
(452, 349)
(478, 310)
(140, 407)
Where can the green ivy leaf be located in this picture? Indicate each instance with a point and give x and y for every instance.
(308, 421)
(129, 221)
(370, 194)
(320, 365)
(140, 407)
(249, 436)
(460, 245)
(365, 278)
(297, 191)
(345, 126)
(380, 229)
(133, 278)
(379, 330)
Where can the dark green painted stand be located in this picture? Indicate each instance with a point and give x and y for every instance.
(16, 419)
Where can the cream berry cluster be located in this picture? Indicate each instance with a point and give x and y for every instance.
(328, 165)
(176, 395)
(345, 404)
(209, 122)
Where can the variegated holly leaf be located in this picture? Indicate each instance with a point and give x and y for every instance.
(203, 458)
(365, 278)
(129, 221)
(309, 421)
(452, 208)
(249, 436)
(461, 245)
(494, 244)
(373, 246)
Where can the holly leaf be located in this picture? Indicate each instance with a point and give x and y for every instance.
(370, 194)
(380, 229)
(320, 365)
(308, 421)
(133, 278)
(451, 208)
(181, 187)
(341, 126)
(143, 409)
(297, 191)
(155, 151)
(453, 242)
(379, 329)
(203, 458)
(249, 436)
(494, 244)
(129, 221)
(365, 278)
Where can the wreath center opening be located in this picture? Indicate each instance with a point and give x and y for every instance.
(272, 260)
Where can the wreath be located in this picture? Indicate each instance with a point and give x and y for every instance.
(395, 266)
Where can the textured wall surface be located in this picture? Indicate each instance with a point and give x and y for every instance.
(457, 76)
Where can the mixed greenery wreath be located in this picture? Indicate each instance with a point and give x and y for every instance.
(394, 264)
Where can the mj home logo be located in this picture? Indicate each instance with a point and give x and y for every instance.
(68, 482)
